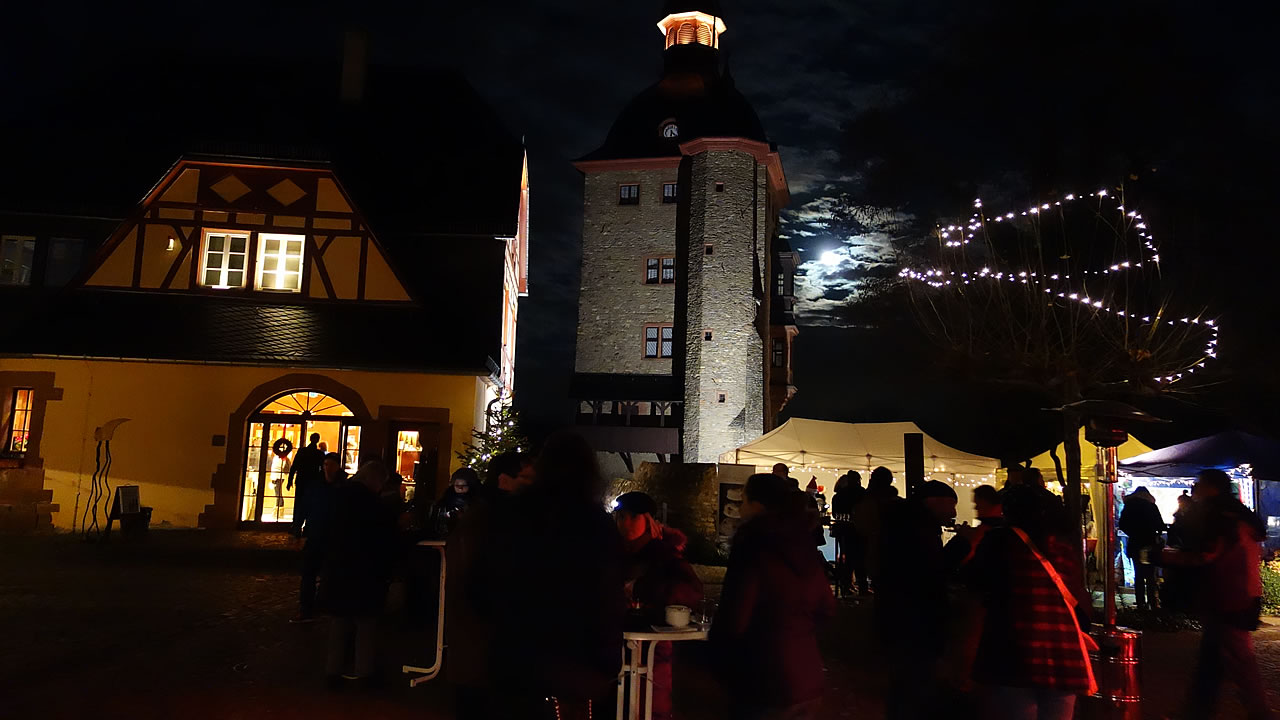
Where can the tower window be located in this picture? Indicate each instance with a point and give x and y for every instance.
(659, 271)
(706, 334)
(658, 341)
(720, 398)
(719, 187)
(669, 192)
(782, 284)
(779, 353)
(708, 249)
(688, 33)
(629, 194)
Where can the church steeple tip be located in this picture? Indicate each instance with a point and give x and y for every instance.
(691, 22)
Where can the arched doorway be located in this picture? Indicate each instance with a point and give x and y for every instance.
(275, 433)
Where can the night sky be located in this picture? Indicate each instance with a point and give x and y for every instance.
(911, 107)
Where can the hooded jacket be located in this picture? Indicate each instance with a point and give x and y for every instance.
(774, 598)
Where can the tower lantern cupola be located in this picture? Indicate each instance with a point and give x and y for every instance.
(692, 23)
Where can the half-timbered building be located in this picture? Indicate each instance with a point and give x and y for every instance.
(212, 269)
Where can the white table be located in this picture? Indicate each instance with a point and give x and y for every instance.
(425, 674)
(637, 661)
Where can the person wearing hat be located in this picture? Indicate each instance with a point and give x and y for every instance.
(657, 575)
(911, 588)
(1142, 522)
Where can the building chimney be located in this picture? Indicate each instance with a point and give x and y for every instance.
(355, 65)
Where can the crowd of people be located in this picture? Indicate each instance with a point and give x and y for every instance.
(991, 624)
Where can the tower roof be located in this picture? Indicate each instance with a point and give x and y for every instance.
(699, 104)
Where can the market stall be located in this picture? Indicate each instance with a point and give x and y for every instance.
(826, 450)
(1252, 461)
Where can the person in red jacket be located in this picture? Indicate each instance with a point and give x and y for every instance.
(657, 575)
(774, 598)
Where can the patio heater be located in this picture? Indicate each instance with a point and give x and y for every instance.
(1117, 662)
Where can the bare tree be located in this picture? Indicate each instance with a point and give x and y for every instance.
(1065, 297)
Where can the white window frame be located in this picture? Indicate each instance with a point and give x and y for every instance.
(226, 254)
(280, 256)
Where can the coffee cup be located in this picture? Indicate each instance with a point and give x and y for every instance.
(677, 615)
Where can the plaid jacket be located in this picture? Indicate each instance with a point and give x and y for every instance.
(1029, 638)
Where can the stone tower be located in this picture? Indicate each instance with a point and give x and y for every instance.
(676, 345)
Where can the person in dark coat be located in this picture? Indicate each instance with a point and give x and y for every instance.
(656, 575)
(1231, 598)
(319, 522)
(308, 470)
(1142, 522)
(782, 471)
(775, 597)
(357, 570)
(850, 561)
(868, 520)
(911, 592)
(555, 590)
(469, 634)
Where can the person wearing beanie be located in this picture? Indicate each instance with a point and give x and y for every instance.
(914, 572)
(656, 575)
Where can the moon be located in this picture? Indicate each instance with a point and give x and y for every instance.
(830, 257)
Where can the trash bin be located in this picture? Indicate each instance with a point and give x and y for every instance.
(1118, 668)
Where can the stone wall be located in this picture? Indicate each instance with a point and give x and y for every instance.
(721, 299)
(691, 492)
(614, 303)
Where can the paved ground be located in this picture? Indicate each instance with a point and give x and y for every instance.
(194, 625)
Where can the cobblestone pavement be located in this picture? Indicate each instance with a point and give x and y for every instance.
(195, 625)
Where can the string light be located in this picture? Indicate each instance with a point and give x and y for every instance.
(1131, 220)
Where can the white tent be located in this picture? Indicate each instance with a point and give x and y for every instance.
(857, 446)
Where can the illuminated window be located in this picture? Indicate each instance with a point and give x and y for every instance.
(224, 258)
(629, 194)
(280, 262)
(670, 130)
(659, 271)
(658, 341)
(669, 192)
(20, 421)
(688, 33)
(17, 254)
(704, 34)
(782, 284)
(779, 353)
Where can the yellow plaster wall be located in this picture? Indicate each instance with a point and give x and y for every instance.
(117, 269)
(184, 188)
(176, 409)
(329, 198)
(342, 260)
(156, 257)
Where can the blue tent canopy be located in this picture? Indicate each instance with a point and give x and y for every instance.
(1224, 451)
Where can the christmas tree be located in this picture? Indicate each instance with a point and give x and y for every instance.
(501, 434)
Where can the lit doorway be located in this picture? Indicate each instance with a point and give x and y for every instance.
(275, 434)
